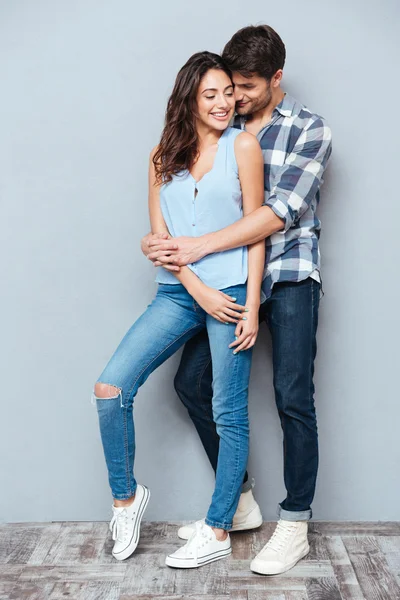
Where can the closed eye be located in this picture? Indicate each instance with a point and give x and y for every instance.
(226, 94)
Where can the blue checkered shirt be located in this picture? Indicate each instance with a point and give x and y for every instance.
(296, 145)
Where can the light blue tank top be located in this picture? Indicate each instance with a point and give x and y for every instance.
(218, 203)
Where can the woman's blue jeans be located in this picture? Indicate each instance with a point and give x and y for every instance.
(169, 322)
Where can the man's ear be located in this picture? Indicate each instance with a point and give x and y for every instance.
(277, 78)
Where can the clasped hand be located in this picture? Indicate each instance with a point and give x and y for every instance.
(172, 253)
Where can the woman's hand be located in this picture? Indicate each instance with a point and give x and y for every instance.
(246, 330)
(219, 305)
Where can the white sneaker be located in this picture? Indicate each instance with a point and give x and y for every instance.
(247, 516)
(125, 524)
(287, 545)
(201, 549)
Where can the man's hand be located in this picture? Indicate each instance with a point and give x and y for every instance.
(179, 251)
(144, 242)
(156, 239)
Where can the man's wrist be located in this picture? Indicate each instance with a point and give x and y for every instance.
(208, 243)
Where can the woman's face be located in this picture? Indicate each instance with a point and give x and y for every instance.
(215, 100)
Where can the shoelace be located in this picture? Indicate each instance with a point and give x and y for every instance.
(197, 539)
(119, 525)
(280, 536)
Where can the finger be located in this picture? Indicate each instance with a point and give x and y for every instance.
(157, 263)
(243, 345)
(246, 346)
(175, 258)
(233, 344)
(225, 318)
(239, 328)
(233, 313)
(218, 318)
(238, 340)
(156, 237)
(163, 244)
(249, 341)
(154, 255)
(232, 299)
(237, 307)
(168, 248)
(161, 250)
(162, 256)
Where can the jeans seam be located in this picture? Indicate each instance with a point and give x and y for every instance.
(126, 450)
(315, 295)
(235, 423)
(155, 358)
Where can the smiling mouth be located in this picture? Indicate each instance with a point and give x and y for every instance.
(220, 115)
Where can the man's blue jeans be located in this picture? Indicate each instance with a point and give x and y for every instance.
(291, 314)
(171, 320)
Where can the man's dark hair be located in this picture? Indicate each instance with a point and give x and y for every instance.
(255, 50)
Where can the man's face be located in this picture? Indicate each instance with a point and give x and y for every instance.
(251, 93)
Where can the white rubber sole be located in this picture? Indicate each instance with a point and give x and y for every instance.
(262, 568)
(130, 549)
(190, 563)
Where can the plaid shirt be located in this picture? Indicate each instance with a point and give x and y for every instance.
(296, 145)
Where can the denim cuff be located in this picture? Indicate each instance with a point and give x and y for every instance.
(218, 525)
(293, 515)
(124, 496)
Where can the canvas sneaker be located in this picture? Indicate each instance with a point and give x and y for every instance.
(287, 545)
(201, 548)
(125, 524)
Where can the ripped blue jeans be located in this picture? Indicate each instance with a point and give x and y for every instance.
(169, 321)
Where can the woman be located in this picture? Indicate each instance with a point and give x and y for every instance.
(203, 176)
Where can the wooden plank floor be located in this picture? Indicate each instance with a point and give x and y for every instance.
(55, 561)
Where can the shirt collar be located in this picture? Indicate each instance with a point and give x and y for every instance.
(286, 106)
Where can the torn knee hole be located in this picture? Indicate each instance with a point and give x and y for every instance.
(106, 391)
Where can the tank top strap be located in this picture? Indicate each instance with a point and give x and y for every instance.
(228, 139)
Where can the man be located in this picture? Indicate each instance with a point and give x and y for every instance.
(296, 145)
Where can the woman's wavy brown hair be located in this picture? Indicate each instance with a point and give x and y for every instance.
(178, 149)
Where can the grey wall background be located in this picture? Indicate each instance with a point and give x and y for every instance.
(83, 92)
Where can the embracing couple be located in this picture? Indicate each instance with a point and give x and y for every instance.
(234, 235)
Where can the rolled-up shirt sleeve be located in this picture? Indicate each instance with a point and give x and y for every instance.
(298, 180)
